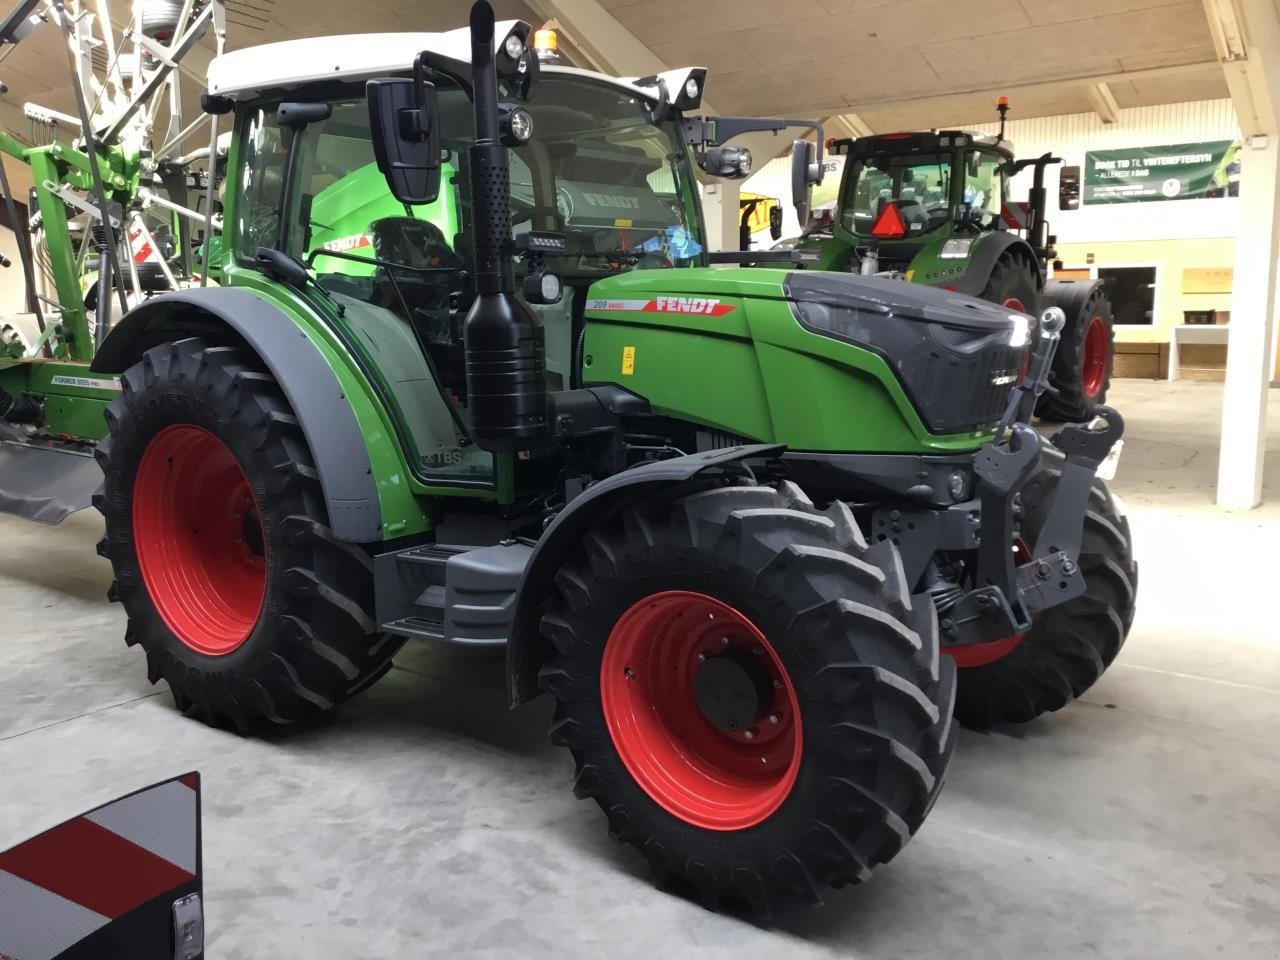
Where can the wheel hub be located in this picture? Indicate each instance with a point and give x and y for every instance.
(701, 710)
(733, 690)
(199, 539)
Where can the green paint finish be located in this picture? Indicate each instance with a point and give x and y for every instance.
(833, 254)
(722, 348)
(403, 512)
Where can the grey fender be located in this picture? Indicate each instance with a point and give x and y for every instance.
(526, 648)
(987, 254)
(312, 388)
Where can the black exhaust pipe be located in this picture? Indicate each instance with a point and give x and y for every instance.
(506, 367)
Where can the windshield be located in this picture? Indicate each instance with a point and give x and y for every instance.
(922, 190)
(597, 171)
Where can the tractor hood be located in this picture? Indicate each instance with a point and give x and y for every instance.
(956, 356)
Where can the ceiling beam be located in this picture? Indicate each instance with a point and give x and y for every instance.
(1246, 37)
(847, 125)
(1069, 82)
(1104, 103)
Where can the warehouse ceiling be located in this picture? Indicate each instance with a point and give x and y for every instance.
(885, 64)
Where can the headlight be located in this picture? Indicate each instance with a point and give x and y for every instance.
(1021, 330)
(514, 46)
(515, 124)
(691, 89)
(733, 163)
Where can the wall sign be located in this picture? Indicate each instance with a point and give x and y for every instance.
(1179, 171)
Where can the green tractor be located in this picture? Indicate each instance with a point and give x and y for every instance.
(745, 526)
(933, 208)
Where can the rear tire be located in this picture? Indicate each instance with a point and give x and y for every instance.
(1013, 285)
(1068, 646)
(1083, 364)
(187, 410)
(842, 639)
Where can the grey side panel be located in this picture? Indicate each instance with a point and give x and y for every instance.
(526, 650)
(313, 391)
(46, 484)
(984, 260)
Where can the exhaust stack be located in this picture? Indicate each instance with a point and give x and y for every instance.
(506, 366)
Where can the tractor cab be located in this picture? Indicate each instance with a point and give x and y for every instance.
(904, 191)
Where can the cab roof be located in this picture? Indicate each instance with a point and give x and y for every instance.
(244, 74)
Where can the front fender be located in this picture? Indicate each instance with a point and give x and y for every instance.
(526, 649)
(308, 382)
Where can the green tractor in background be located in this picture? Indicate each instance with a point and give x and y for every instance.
(746, 526)
(933, 208)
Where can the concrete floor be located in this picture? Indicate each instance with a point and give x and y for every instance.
(423, 819)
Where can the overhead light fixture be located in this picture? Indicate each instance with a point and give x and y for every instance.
(21, 22)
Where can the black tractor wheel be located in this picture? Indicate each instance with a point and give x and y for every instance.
(218, 536)
(1013, 284)
(1082, 367)
(749, 693)
(1068, 646)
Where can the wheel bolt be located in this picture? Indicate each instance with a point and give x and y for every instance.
(749, 734)
(773, 718)
(777, 684)
(724, 641)
(758, 651)
(628, 673)
(702, 658)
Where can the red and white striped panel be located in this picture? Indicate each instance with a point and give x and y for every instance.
(1016, 215)
(66, 884)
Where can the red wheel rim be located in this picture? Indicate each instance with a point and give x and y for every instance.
(981, 654)
(1095, 357)
(199, 539)
(1013, 303)
(698, 771)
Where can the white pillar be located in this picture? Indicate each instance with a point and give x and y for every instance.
(720, 208)
(1250, 350)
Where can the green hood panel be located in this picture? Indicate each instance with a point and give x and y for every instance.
(723, 348)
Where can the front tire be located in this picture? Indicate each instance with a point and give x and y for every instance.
(749, 693)
(218, 537)
(1068, 646)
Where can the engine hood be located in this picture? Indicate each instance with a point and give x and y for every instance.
(957, 357)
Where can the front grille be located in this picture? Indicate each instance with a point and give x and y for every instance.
(950, 352)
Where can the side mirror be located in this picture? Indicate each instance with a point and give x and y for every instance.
(1069, 188)
(775, 222)
(404, 121)
(802, 159)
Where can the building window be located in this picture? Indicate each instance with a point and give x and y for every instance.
(1132, 291)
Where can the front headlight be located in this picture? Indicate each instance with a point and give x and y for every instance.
(1021, 334)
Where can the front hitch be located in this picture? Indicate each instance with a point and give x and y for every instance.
(1006, 595)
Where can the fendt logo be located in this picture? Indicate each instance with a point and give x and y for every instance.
(702, 305)
(614, 201)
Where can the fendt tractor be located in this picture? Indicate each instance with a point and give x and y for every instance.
(730, 519)
(933, 208)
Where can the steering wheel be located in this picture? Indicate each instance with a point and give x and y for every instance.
(538, 209)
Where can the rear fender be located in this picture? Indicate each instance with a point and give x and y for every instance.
(987, 253)
(527, 649)
(318, 399)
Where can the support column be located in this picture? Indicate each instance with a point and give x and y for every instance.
(1246, 35)
(720, 207)
(1250, 353)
